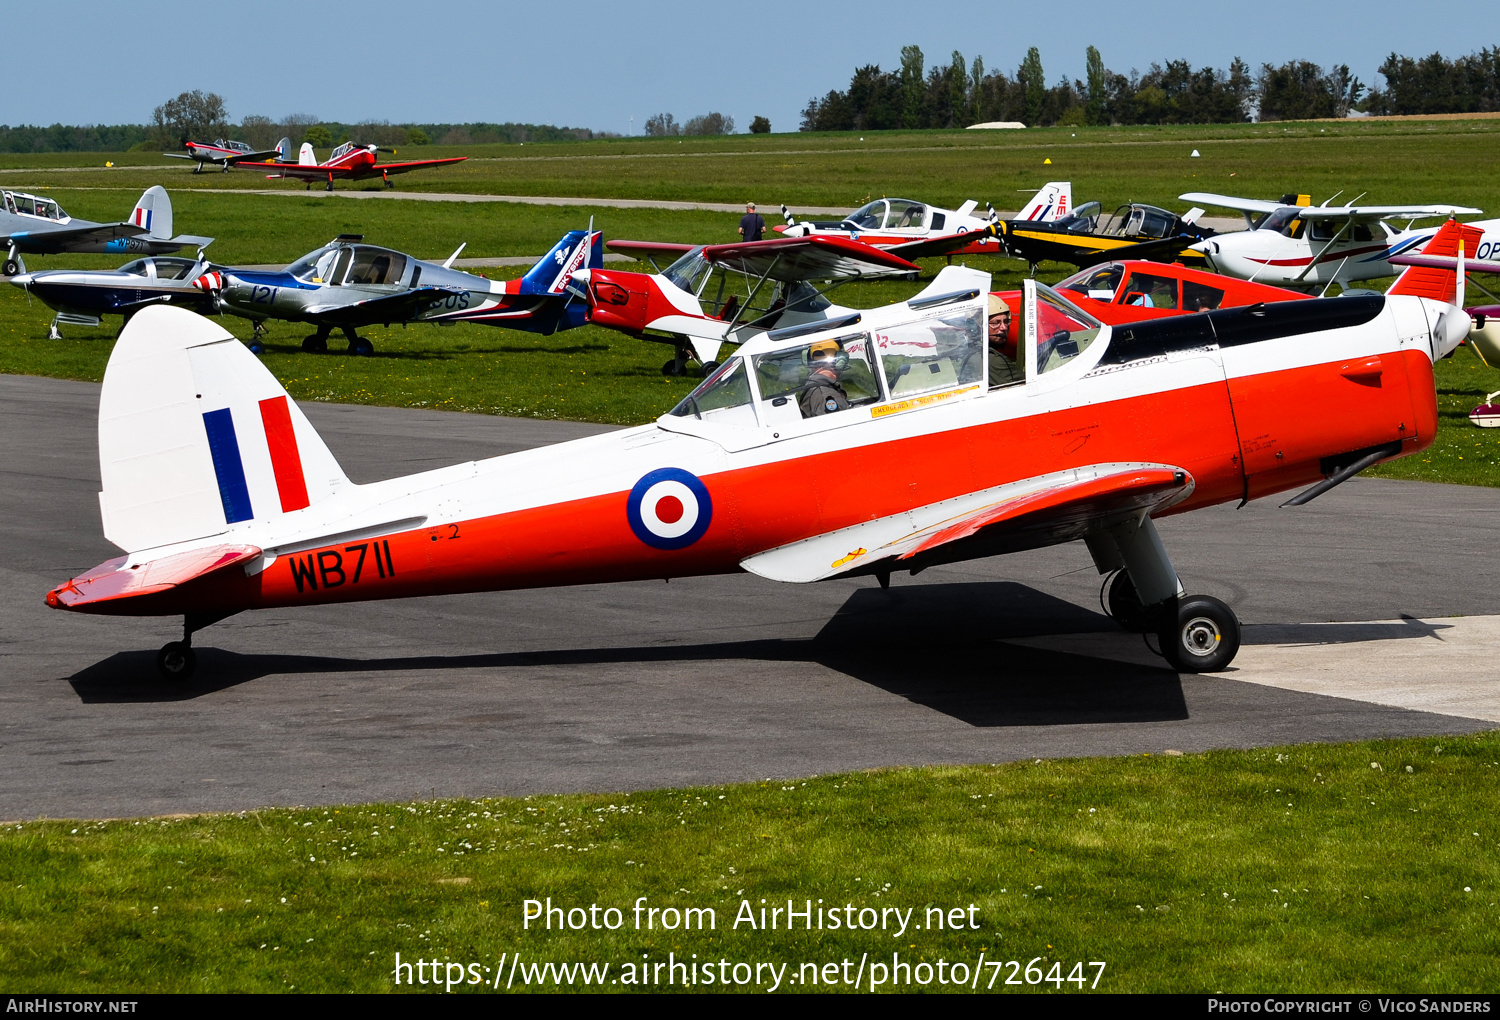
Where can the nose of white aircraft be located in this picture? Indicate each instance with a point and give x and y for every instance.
(1208, 249)
(1450, 329)
(22, 280)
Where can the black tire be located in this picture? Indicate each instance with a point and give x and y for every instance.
(11, 268)
(316, 344)
(361, 348)
(256, 347)
(176, 661)
(1125, 605)
(1204, 638)
(670, 368)
(709, 367)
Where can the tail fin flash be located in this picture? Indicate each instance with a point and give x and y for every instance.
(154, 212)
(284, 151)
(305, 155)
(579, 249)
(196, 437)
(1440, 284)
(1052, 202)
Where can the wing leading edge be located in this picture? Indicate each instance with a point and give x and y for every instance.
(1038, 511)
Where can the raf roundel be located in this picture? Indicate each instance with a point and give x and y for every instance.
(669, 509)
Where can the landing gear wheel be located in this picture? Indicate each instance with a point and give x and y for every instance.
(256, 347)
(1125, 605)
(361, 348)
(673, 368)
(317, 344)
(1204, 638)
(330, 185)
(11, 268)
(709, 367)
(52, 333)
(176, 661)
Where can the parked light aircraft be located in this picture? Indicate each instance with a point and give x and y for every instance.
(893, 223)
(348, 162)
(1085, 237)
(858, 446)
(1292, 243)
(32, 225)
(224, 152)
(347, 284)
(677, 305)
(81, 296)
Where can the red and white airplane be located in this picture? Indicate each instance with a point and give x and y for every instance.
(892, 223)
(860, 445)
(715, 294)
(1292, 243)
(348, 162)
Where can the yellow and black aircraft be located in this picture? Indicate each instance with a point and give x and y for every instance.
(1086, 238)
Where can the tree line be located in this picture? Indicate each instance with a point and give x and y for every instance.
(203, 117)
(960, 93)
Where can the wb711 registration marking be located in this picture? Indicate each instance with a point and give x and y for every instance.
(330, 569)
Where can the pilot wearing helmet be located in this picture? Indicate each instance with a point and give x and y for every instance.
(823, 393)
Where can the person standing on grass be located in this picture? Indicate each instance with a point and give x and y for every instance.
(752, 224)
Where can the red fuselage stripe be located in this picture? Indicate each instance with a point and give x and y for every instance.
(286, 459)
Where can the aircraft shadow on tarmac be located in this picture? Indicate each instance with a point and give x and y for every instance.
(943, 646)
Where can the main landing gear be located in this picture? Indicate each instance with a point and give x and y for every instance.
(318, 342)
(678, 366)
(1198, 633)
(177, 661)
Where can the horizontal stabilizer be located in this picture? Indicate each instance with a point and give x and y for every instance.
(125, 578)
(1063, 505)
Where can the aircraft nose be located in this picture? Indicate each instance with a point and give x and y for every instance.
(1452, 326)
(22, 280)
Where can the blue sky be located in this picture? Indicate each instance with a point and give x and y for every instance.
(608, 66)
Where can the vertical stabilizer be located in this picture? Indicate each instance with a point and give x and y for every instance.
(154, 212)
(197, 438)
(305, 155)
(1434, 283)
(1052, 202)
(284, 151)
(579, 249)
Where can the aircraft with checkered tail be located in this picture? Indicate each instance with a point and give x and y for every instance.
(32, 225)
(856, 446)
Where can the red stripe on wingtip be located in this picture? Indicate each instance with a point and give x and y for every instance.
(286, 459)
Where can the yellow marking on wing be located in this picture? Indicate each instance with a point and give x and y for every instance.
(856, 554)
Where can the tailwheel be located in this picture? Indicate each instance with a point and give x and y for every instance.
(176, 661)
(1204, 637)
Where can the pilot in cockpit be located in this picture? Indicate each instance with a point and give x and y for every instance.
(823, 392)
(1003, 369)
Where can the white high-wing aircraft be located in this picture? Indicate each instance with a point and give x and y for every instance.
(1292, 243)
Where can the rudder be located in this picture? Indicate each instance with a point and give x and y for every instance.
(154, 212)
(578, 249)
(197, 438)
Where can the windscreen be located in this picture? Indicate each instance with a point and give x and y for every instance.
(1063, 330)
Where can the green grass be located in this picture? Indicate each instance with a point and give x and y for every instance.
(1300, 869)
(1394, 161)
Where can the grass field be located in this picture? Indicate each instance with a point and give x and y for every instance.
(1363, 867)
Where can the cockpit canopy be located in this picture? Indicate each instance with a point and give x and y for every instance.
(337, 264)
(227, 143)
(1136, 220)
(30, 205)
(888, 214)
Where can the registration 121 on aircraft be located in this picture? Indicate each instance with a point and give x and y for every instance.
(859, 446)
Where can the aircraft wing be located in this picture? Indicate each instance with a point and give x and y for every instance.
(110, 581)
(179, 155)
(1249, 205)
(819, 257)
(1021, 515)
(393, 307)
(1448, 262)
(646, 251)
(931, 246)
(1161, 250)
(91, 233)
(401, 168)
(1384, 212)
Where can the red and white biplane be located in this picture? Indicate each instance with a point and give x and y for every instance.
(859, 445)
